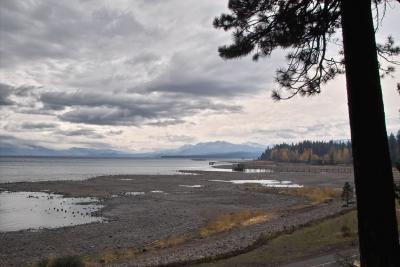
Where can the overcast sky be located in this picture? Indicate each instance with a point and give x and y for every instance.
(143, 75)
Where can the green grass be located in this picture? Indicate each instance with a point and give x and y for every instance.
(316, 238)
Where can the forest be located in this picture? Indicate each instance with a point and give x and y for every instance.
(322, 152)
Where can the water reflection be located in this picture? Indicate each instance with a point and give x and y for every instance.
(267, 183)
(258, 170)
(37, 210)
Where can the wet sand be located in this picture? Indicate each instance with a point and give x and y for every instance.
(140, 209)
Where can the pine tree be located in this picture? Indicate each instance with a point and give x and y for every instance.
(347, 193)
(398, 146)
(308, 27)
(393, 149)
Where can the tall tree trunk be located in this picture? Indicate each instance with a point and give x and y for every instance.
(377, 224)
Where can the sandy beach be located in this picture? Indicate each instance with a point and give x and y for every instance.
(140, 210)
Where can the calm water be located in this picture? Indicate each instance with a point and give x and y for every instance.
(37, 210)
(20, 169)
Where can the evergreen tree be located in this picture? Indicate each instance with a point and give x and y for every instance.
(311, 152)
(347, 193)
(393, 149)
(308, 27)
(398, 146)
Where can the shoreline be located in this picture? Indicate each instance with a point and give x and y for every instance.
(156, 216)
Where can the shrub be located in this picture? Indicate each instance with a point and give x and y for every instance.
(238, 167)
(43, 263)
(346, 231)
(67, 261)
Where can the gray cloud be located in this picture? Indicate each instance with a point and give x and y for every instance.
(180, 138)
(317, 131)
(129, 109)
(5, 93)
(167, 122)
(80, 132)
(38, 126)
(54, 29)
(126, 68)
(10, 145)
(140, 63)
(144, 58)
(207, 77)
(114, 132)
(25, 90)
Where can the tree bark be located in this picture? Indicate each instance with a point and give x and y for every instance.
(377, 223)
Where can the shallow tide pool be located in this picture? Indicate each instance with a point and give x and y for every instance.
(39, 210)
(267, 183)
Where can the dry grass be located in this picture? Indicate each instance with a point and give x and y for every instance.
(310, 240)
(111, 255)
(217, 225)
(315, 195)
(232, 220)
(172, 241)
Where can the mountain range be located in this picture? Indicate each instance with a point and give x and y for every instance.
(217, 149)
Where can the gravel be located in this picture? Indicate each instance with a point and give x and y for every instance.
(136, 220)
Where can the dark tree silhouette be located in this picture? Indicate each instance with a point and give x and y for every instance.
(308, 28)
(314, 152)
(393, 148)
(347, 193)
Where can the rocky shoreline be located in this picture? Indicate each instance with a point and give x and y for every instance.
(169, 205)
(236, 241)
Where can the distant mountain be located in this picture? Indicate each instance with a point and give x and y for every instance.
(218, 149)
(233, 155)
(23, 150)
(38, 151)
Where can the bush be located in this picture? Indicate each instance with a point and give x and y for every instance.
(345, 230)
(238, 167)
(347, 194)
(397, 192)
(43, 263)
(67, 261)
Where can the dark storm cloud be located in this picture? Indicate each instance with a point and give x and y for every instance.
(198, 87)
(114, 132)
(168, 122)
(58, 29)
(24, 90)
(38, 126)
(207, 76)
(141, 63)
(81, 132)
(5, 93)
(162, 75)
(130, 109)
(20, 91)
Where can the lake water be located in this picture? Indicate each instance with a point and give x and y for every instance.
(20, 169)
(37, 210)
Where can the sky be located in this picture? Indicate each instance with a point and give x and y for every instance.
(145, 75)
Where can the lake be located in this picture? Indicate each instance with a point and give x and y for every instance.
(22, 169)
(36, 210)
